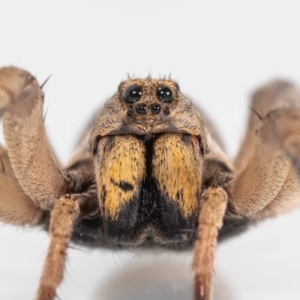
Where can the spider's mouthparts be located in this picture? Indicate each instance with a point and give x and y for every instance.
(149, 136)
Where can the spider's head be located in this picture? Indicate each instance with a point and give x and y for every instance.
(148, 142)
(145, 107)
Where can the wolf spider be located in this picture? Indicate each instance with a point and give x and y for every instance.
(149, 172)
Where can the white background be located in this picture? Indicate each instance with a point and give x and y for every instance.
(219, 51)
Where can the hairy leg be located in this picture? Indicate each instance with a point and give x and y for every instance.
(213, 208)
(286, 126)
(34, 184)
(274, 95)
(268, 184)
(63, 216)
(31, 158)
(16, 207)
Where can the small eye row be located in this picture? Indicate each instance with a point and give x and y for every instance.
(134, 93)
(143, 109)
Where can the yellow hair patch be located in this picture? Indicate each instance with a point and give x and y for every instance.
(176, 167)
(121, 169)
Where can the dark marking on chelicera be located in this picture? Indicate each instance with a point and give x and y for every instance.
(179, 195)
(186, 139)
(103, 192)
(123, 185)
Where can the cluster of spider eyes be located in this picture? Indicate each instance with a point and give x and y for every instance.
(134, 93)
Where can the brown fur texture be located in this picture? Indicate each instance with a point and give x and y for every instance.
(15, 206)
(213, 208)
(63, 216)
(267, 184)
(26, 140)
(170, 157)
(114, 118)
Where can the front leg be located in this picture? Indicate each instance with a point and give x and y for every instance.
(32, 160)
(63, 216)
(16, 207)
(277, 94)
(269, 182)
(36, 183)
(213, 208)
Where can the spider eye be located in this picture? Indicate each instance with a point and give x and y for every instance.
(164, 94)
(133, 94)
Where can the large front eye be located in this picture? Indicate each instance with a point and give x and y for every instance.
(164, 94)
(133, 94)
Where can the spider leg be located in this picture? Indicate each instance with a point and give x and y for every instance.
(63, 216)
(33, 163)
(16, 207)
(269, 97)
(286, 125)
(37, 184)
(266, 182)
(213, 208)
(269, 181)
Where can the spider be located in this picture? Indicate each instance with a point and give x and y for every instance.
(149, 172)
